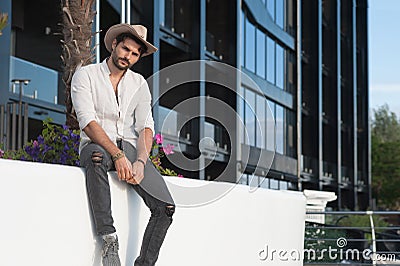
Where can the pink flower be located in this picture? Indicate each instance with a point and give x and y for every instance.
(168, 149)
(159, 138)
(179, 175)
(35, 143)
(1, 153)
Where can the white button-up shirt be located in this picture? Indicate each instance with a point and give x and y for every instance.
(94, 99)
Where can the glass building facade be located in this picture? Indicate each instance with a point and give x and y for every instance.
(302, 121)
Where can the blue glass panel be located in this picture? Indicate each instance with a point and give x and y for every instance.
(271, 8)
(250, 46)
(250, 118)
(168, 120)
(279, 129)
(260, 122)
(242, 37)
(260, 54)
(44, 81)
(270, 60)
(162, 12)
(270, 109)
(273, 184)
(241, 114)
(280, 13)
(280, 66)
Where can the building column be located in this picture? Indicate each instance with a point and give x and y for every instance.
(354, 51)
(299, 50)
(320, 98)
(5, 53)
(339, 103)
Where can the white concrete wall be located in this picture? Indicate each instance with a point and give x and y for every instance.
(45, 220)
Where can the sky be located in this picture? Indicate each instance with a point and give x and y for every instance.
(384, 54)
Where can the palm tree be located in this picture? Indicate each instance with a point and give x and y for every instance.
(3, 21)
(77, 25)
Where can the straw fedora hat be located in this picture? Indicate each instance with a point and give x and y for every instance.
(136, 30)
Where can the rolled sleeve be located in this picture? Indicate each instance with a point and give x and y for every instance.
(82, 98)
(143, 113)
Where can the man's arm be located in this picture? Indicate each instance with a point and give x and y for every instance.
(97, 134)
(82, 100)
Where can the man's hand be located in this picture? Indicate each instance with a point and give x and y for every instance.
(137, 173)
(124, 168)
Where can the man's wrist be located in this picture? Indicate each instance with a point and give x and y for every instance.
(141, 161)
(117, 156)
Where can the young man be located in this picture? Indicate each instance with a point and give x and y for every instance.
(113, 106)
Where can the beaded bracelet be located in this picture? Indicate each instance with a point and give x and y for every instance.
(117, 156)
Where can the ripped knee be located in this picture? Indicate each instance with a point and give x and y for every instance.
(170, 210)
(97, 158)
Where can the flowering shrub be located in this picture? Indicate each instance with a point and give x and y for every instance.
(56, 144)
(159, 152)
(60, 145)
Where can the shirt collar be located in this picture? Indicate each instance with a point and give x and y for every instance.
(106, 70)
(104, 66)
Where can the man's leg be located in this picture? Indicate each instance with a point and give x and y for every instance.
(157, 197)
(97, 161)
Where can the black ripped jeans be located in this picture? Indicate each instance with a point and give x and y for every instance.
(152, 190)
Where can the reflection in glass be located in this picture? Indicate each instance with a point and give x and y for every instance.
(271, 8)
(280, 13)
(270, 125)
(261, 122)
(169, 121)
(273, 184)
(283, 185)
(241, 115)
(242, 37)
(162, 12)
(250, 46)
(264, 182)
(209, 133)
(270, 60)
(279, 129)
(280, 66)
(260, 54)
(250, 118)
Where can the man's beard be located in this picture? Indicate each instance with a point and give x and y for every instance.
(116, 63)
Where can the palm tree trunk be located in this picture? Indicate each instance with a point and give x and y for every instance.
(77, 25)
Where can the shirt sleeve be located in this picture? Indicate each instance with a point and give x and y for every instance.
(82, 100)
(143, 114)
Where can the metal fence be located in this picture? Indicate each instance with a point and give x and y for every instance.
(13, 125)
(354, 238)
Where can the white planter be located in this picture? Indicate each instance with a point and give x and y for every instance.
(46, 221)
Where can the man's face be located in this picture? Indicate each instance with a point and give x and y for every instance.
(125, 54)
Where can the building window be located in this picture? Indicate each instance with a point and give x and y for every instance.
(250, 118)
(260, 54)
(250, 46)
(242, 37)
(241, 115)
(280, 13)
(278, 9)
(271, 8)
(279, 121)
(270, 126)
(261, 122)
(273, 184)
(270, 60)
(280, 66)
